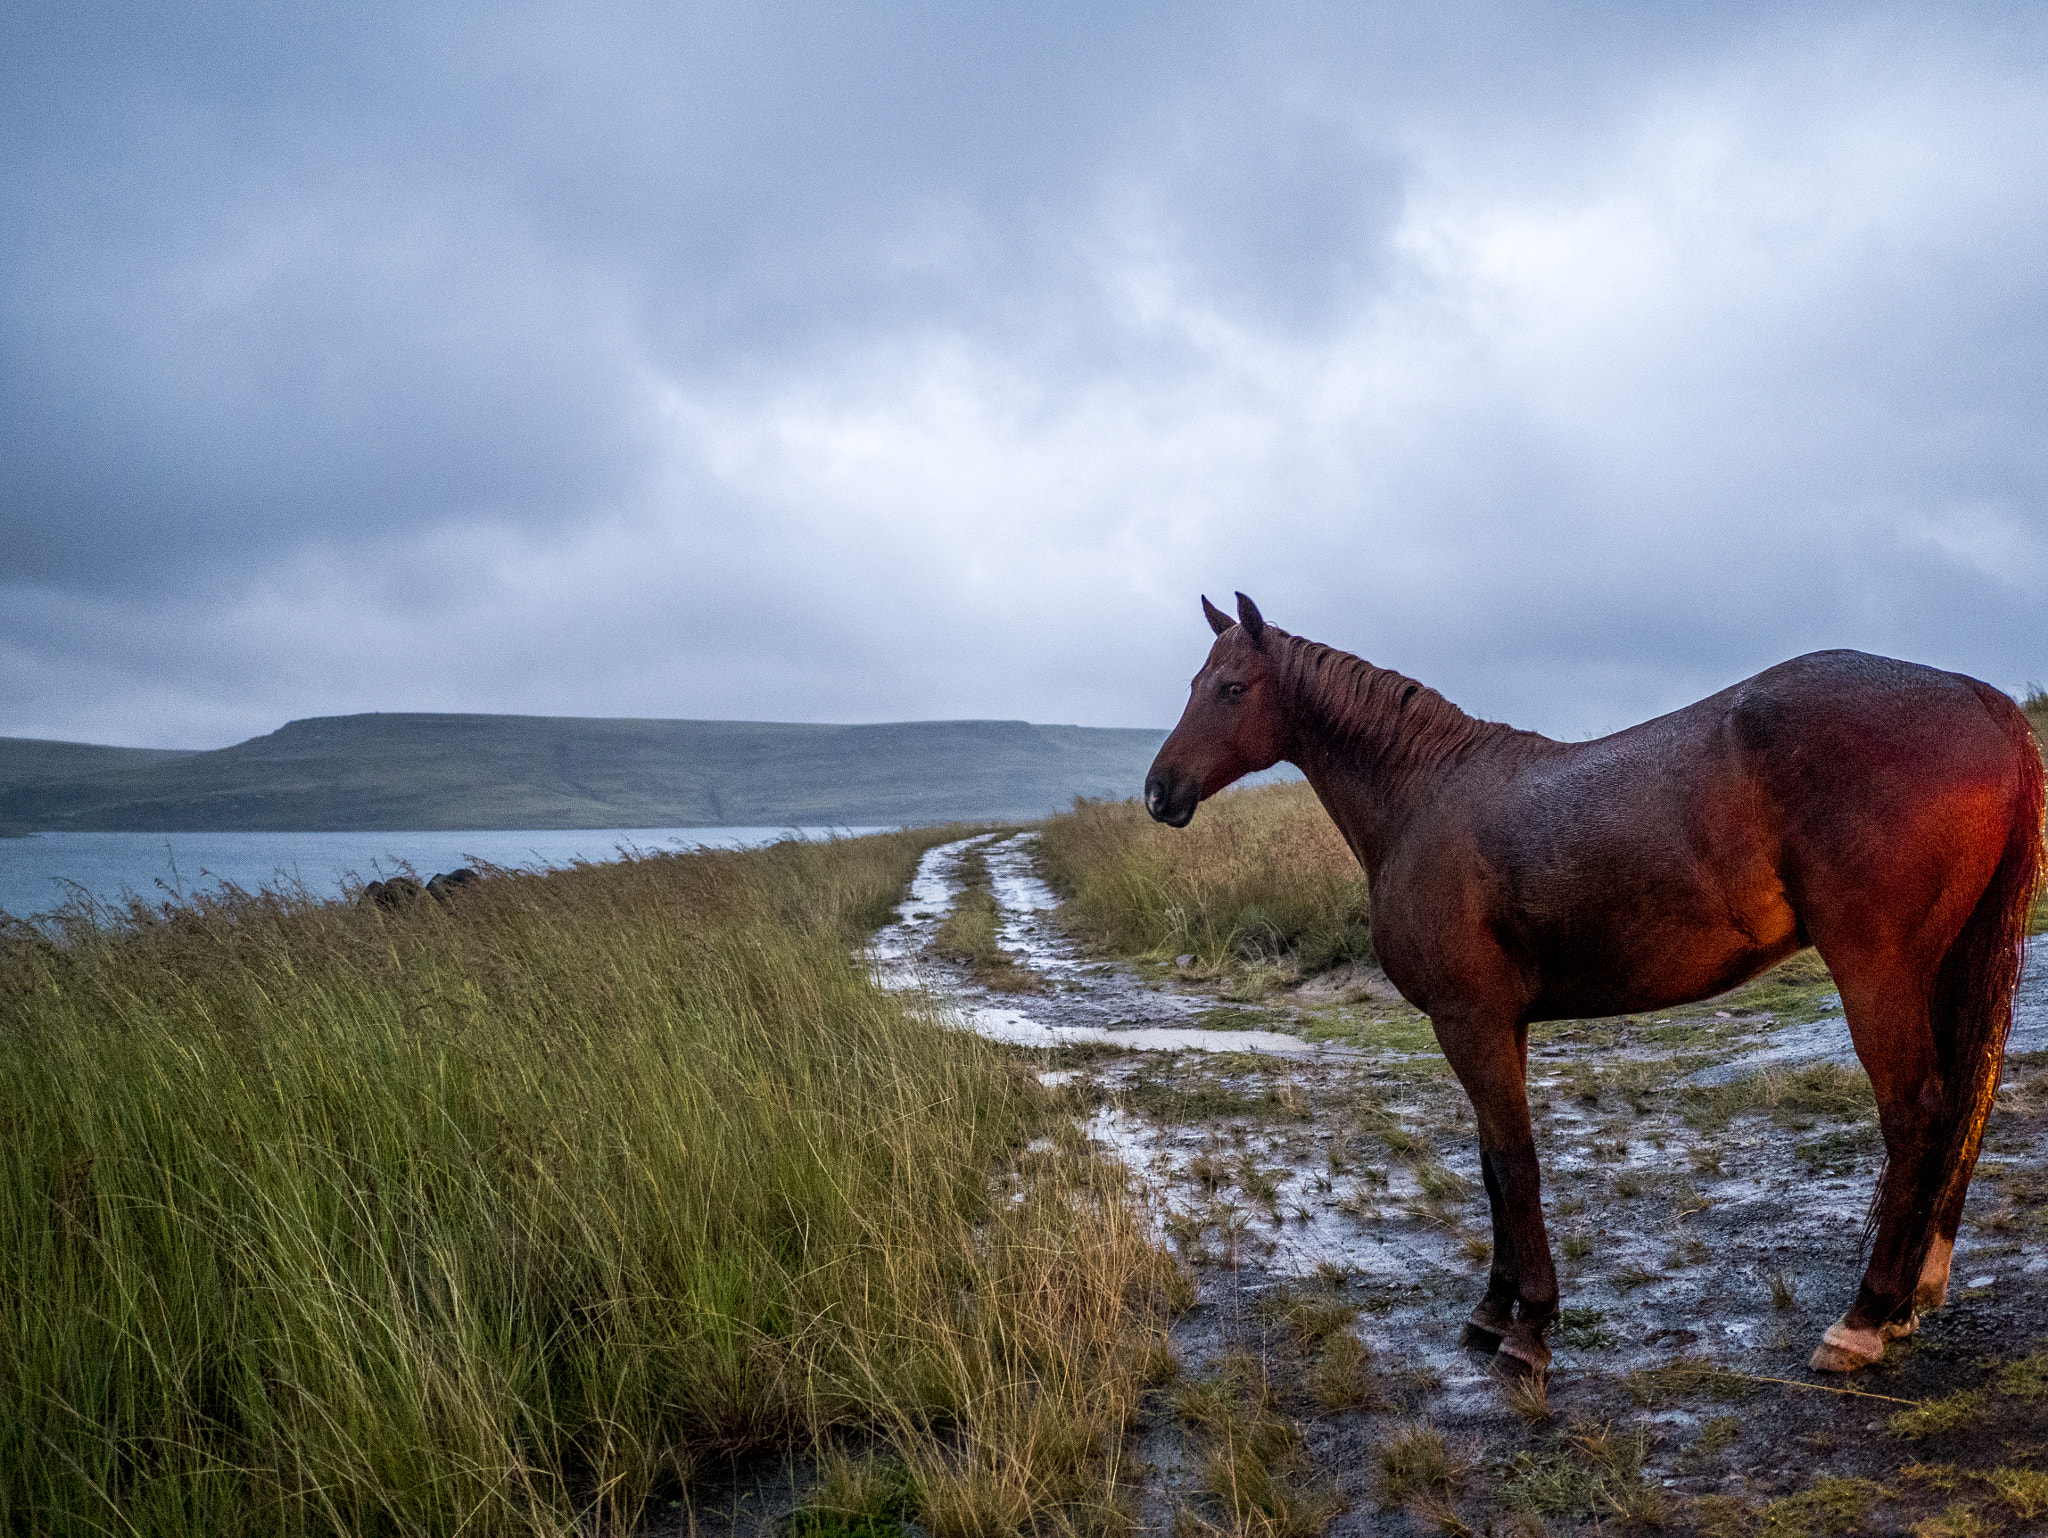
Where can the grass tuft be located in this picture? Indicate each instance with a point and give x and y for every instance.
(856, 1499)
(2026, 1378)
(1827, 1506)
(1784, 1294)
(2024, 1491)
(1341, 1379)
(1937, 1415)
(1686, 1377)
(1528, 1395)
(1582, 1329)
(1415, 1461)
(1588, 1470)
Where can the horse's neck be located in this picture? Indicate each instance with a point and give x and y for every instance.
(1367, 819)
(1375, 745)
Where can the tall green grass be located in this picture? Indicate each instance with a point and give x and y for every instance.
(501, 1215)
(1258, 875)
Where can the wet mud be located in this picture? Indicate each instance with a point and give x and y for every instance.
(1308, 1155)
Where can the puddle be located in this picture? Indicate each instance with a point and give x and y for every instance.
(1019, 1029)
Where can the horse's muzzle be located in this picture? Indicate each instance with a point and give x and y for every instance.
(1171, 798)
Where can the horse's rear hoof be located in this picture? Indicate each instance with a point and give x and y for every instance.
(1845, 1348)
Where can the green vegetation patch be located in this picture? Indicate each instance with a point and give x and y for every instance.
(1582, 1329)
(1799, 988)
(1837, 1151)
(1827, 1506)
(1797, 1098)
(1962, 1408)
(1688, 1377)
(1186, 1087)
(1374, 1027)
(1234, 1017)
(2026, 1378)
(864, 1499)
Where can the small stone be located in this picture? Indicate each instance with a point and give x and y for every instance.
(1979, 1281)
(1722, 1014)
(1185, 961)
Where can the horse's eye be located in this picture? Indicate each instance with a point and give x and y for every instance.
(1232, 691)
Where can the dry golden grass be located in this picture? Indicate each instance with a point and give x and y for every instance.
(1259, 874)
(1250, 1457)
(2035, 705)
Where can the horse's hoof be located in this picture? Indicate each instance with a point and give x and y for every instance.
(1522, 1354)
(1845, 1348)
(1899, 1329)
(1478, 1337)
(1486, 1326)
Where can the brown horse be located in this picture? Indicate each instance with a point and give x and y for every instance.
(1886, 813)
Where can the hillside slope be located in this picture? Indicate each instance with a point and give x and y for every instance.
(475, 771)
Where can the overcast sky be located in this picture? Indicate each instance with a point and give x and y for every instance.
(875, 362)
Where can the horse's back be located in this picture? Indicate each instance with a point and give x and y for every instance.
(1844, 740)
(1680, 856)
(1877, 707)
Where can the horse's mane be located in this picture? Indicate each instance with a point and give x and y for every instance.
(1387, 723)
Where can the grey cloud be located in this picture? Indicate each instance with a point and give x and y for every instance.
(829, 364)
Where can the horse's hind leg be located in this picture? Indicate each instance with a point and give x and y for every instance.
(1489, 1057)
(1890, 1020)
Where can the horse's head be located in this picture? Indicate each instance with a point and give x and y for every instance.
(1233, 725)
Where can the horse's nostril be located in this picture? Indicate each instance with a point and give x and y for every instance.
(1158, 797)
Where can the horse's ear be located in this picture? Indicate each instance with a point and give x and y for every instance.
(1254, 622)
(1218, 620)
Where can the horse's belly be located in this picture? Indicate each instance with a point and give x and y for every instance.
(1660, 970)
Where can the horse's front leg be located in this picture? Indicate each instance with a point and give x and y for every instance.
(1489, 1055)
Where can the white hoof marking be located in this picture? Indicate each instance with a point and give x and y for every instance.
(1845, 1349)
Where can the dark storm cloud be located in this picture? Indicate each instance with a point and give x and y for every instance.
(835, 363)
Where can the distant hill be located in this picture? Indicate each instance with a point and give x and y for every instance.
(393, 771)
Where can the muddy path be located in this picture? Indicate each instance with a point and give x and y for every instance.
(1308, 1155)
(1706, 1175)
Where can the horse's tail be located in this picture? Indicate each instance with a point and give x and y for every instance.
(1974, 986)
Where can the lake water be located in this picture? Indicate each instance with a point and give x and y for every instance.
(38, 873)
